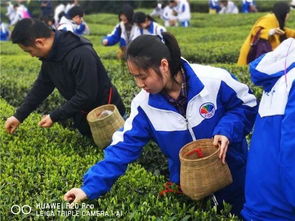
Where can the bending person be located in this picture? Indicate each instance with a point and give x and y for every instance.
(147, 25)
(70, 64)
(168, 110)
(270, 179)
(73, 21)
(272, 29)
(124, 32)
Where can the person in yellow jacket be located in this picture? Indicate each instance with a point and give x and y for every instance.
(272, 28)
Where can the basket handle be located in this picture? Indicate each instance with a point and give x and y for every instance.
(197, 150)
(110, 95)
(109, 101)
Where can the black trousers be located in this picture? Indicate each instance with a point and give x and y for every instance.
(80, 122)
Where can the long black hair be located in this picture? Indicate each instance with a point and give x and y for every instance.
(127, 10)
(281, 9)
(140, 17)
(147, 51)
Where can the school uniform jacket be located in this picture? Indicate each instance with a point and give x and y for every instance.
(119, 34)
(153, 29)
(217, 104)
(168, 15)
(270, 179)
(66, 24)
(214, 5)
(183, 11)
(246, 6)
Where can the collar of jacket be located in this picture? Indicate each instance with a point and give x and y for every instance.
(150, 28)
(194, 87)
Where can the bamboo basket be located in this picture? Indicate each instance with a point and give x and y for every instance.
(103, 127)
(200, 177)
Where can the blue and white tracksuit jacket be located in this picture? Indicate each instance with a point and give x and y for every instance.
(168, 15)
(183, 12)
(66, 24)
(270, 179)
(217, 104)
(246, 6)
(119, 34)
(214, 5)
(153, 29)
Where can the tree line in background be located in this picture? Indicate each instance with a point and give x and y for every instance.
(114, 6)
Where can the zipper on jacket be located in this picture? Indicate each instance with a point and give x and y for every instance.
(190, 129)
(186, 122)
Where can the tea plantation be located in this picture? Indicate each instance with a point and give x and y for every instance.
(39, 165)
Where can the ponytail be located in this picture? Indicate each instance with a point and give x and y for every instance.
(281, 9)
(175, 54)
(140, 17)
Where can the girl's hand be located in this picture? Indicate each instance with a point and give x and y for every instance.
(277, 31)
(76, 195)
(105, 42)
(222, 142)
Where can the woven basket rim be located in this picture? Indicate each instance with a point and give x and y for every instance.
(101, 107)
(199, 159)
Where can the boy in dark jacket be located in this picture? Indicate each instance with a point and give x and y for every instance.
(70, 64)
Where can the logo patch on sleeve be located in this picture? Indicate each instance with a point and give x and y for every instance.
(207, 110)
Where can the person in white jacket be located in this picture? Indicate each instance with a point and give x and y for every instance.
(179, 102)
(169, 14)
(228, 7)
(11, 12)
(59, 11)
(73, 21)
(147, 25)
(124, 32)
(248, 6)
(183, 12)
(21, 12)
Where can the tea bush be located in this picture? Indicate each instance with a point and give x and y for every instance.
(40, 165)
